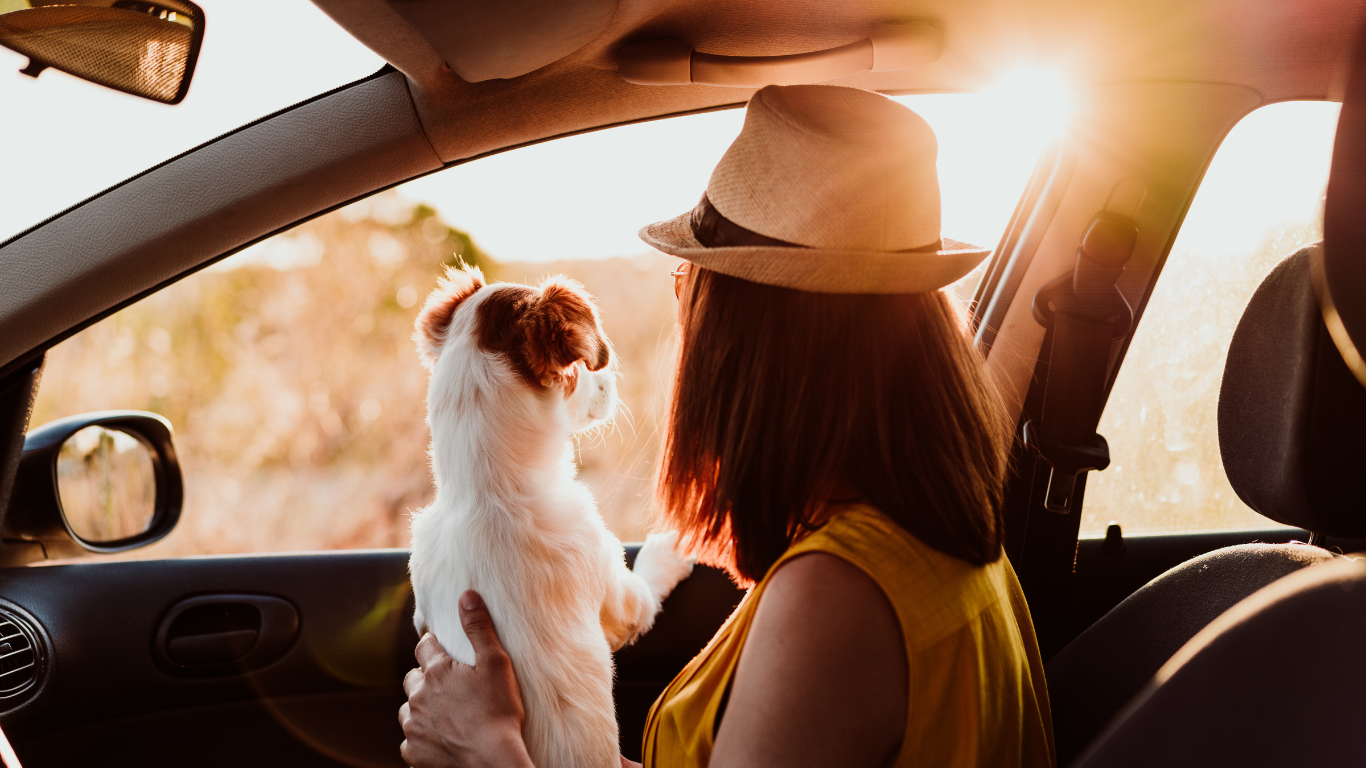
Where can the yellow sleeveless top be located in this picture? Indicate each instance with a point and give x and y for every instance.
(977, 695)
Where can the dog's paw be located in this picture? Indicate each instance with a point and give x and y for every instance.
(661, 565)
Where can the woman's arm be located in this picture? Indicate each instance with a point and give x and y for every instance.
(458, 715)
(823, 678)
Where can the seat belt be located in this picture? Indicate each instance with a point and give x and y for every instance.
(1084, 313)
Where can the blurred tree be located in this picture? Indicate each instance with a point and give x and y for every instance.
(462, 246)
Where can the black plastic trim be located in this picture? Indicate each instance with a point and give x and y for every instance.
(275, 631)
(17, 395)
(37, 636)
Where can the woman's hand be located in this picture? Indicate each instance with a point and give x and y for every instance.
(457, 715)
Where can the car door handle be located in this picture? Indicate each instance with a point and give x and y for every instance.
(216, 635)
(212, 648)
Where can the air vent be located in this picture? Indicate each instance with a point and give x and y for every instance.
(21, 656)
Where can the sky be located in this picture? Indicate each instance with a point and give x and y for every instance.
(1271, 169)
(63, 140)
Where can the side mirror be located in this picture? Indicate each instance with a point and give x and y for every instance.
(99, 482)
(148, 49)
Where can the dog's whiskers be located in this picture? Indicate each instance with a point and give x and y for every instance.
(596, 433)
(624, 411)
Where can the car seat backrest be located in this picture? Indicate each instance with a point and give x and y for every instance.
(1292, 417)
(1092, 679)
(1275, 681)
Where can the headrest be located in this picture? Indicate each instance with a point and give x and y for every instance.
(1292, 418)
(1343, 273)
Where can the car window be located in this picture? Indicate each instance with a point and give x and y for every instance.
(289, 371)
(64, 139)
(1261, 199)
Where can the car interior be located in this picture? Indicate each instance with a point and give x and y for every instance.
(1178, 648)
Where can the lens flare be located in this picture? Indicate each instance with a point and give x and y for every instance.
(1040, 99)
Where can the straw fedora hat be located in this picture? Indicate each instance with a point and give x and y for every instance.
(826, 189)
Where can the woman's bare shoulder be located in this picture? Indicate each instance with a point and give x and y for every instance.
(821, 574)
(823, 676)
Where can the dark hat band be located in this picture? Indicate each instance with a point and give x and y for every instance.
(716, 231)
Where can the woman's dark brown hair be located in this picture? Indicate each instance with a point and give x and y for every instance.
(783, 397)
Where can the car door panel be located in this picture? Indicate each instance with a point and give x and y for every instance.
(331, 699)
(322, 731)
(354, 638)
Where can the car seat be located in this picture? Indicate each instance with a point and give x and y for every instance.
(1275, 681)
(1291, 421)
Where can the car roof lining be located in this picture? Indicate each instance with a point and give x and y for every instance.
(1218, 41)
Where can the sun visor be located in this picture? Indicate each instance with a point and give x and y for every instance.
(506, 39)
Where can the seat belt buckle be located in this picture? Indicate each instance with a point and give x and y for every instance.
(1066, 461)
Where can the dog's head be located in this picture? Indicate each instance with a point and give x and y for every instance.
(550, 335)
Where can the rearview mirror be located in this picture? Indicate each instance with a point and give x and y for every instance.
(99, 482)
(147, 49)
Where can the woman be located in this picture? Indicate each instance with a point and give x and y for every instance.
(833, 442)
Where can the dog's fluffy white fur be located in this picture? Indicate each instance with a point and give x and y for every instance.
(515, 373)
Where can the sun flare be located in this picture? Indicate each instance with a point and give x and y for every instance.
(1041, 98)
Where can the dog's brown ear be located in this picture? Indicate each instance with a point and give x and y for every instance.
(562, 328)
(458, 284)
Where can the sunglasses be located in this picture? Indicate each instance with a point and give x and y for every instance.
(680, 276)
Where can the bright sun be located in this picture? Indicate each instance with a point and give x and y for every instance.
(1041, 98)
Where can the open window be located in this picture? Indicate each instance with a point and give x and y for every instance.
(1261, 199)
(289, 372)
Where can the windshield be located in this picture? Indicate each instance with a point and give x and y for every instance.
(64, 140)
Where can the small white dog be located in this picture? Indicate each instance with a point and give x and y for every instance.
(516, 371)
